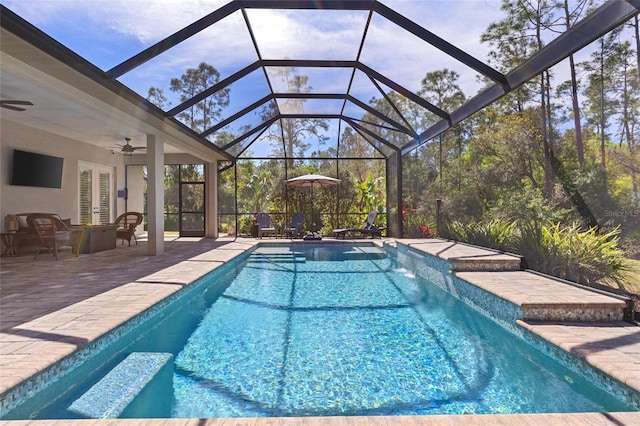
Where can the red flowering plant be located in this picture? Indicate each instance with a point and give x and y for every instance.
(414, 225)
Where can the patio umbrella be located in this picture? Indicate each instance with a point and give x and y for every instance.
(312, 181)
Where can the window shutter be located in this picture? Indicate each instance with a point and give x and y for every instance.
(85, 196)
(105, 197)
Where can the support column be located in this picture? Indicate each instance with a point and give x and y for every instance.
(394, 194)
(211, 197)
(399, 198)
(155, 196)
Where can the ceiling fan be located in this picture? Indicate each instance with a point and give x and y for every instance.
(8, 104)
(127, 149)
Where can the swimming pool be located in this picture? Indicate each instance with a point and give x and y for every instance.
(338, 330)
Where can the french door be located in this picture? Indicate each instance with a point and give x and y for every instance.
(184, 201)
(192, 205)
(95, 189)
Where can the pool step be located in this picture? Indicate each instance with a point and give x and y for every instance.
(544, 298)
(464, 257)
(118, 389)
(277, 258)
(507, 291)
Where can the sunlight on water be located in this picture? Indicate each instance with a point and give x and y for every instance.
(342, 330)
(405, 273)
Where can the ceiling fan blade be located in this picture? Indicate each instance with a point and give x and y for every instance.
(127, 148)
(14, 108)
(16, 102)
(10, 104)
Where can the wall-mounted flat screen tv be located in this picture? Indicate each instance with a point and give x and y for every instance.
(32, 169)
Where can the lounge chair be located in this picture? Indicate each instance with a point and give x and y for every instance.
(368, 228)
(297, 222)
(264, 225)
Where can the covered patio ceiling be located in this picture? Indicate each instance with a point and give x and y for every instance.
(351, 51)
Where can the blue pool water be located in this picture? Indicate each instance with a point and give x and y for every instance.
(340, 330)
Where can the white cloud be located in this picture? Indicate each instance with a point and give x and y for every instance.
(147, 21)
(296, 34)
(40, 12)
(306, 34)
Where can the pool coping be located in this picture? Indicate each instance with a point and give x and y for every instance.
(84, 322)
(583, 328)
(564, 419)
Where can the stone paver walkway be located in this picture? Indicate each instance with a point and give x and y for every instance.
(581, 419)
(612, 347)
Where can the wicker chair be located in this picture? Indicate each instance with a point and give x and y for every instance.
(52, 233)
(127, 223)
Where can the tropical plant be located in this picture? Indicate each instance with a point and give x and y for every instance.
(496, 234)
(416, 225)
(371, 196)
(583, 256)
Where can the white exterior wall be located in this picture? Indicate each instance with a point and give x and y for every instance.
(135, 186)
(63, 201)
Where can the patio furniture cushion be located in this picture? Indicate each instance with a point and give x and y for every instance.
(28, 237)
(52, 233)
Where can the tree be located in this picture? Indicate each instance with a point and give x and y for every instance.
(156, 96)
(528, 20)
(440, 88)
(194, 81)
(570, 18)
(627, 102)
(198, 117)
(510, 46)
(254, 187)
(601, 105)
(291, 132)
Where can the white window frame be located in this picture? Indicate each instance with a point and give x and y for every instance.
(96, 170)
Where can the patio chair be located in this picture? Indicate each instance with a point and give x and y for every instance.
(126, 226)
(52, 233)
(297, 222)
(264, 225)
(368, 228)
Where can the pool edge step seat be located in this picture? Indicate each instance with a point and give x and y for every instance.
(118, 389)
(487, 263)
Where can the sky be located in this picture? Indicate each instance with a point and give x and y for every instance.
(107, 32)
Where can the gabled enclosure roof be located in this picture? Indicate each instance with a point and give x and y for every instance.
(360, 59)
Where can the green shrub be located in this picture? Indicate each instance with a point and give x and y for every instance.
(453, 230)
(585, 257)
(495, 234)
